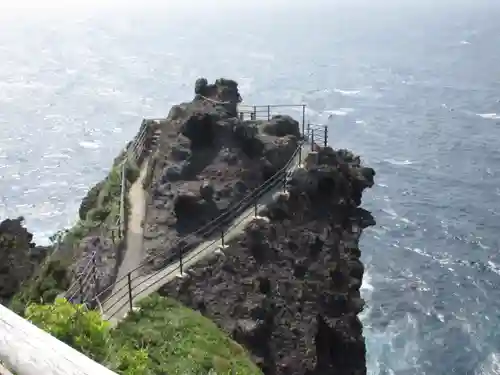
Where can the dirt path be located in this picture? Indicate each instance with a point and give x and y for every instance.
(118, 304)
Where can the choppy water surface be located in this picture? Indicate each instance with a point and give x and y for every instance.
(414, 89)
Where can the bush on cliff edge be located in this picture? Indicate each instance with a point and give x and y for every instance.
(162, 337)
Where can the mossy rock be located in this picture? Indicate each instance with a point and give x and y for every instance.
(132, 172)
(98, 214)
(90, 200)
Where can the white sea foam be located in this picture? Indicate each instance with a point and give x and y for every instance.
(398, 162)
(348, 92)
(489, 116)
(90, 145)
(490, 366)
(339, 112)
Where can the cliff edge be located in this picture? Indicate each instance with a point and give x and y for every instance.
(207, 160)
(288, 289)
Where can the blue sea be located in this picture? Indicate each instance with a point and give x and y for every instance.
(411, 86)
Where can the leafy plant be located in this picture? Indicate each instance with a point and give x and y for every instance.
(74, 325)
(86, 331)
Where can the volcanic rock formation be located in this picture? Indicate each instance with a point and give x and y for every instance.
(288, 289)
(206, 160)
(19, 257)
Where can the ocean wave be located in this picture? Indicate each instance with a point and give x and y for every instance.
(90, 145)
(339, 112)
(347, 92)
(398, 162)
(489, 116)
(490, 366)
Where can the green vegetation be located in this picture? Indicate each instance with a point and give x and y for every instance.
(101, 211)
(162, 337)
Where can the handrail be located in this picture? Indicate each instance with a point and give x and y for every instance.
(214, 223)
(253, 110)
(234, 213)
(131, 154)
(209, 228)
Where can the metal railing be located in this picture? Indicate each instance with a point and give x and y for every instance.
(317, 135)
(256, 112)
(133, 284)
(134, 152)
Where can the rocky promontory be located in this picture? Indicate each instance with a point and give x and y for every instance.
(288, 288)
(206, 160)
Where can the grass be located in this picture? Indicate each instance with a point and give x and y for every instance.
(180, 341)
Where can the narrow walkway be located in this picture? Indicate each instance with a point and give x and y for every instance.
(118, 304)
(133, 250)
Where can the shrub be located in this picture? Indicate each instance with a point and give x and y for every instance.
(86, 331)
(98, 214)
(83, 330)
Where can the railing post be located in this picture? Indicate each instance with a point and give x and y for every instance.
(180, 259)
(300, 154)
(81, 288)
(254, 115)
(96, 279)
(129, 279)
(312, 140)
(326, 136)
(268, 112)
(303, 119)
(222, 237)
(308, 131)
(122, 202)
(284, 180)
(255, 207)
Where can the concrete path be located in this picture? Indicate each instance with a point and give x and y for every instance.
(117, 306)
(133, 251)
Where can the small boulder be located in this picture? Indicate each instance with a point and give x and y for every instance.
(207, 191)
(186, 203)
(282, 125)
(179, 152)
(200, 86)
(174, 172)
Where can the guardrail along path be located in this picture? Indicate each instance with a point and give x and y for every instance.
(119, 302)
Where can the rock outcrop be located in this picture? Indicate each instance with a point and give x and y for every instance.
(19, 257)
(288, 289)
(206, 160)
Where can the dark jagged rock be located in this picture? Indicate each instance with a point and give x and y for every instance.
(90, 200)
(19, 257)
(282, 126)
(209, 159)
(289, 288)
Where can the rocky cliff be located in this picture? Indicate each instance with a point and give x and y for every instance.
(288, 289)
(206, 160)
(19, 257)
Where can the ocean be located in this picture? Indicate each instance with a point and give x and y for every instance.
(411, 86)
